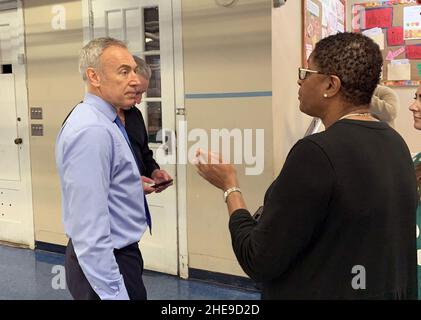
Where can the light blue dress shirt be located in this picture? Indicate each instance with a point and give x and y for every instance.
(102, 193)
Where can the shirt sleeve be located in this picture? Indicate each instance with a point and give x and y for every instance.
(294, 208)
(86, 172)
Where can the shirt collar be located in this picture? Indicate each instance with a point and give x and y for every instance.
(101, 105)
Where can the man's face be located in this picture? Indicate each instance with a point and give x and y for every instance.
(144, 84)
(117, 77)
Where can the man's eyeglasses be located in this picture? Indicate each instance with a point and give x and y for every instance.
(302, 73)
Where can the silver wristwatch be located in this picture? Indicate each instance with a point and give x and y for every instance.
(229, 191)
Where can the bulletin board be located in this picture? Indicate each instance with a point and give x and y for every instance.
(395, 25)
(321, 18)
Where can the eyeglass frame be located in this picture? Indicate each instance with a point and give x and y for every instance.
(300, 70)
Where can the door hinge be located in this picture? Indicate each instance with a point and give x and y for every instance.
(21, 58)
(91, 18)
(180, 112)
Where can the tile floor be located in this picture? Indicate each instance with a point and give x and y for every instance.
(29, 275)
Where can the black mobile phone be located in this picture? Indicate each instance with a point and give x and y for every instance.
(163, 183)
(258, 214)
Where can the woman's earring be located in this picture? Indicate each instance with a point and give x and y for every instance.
(325, 95)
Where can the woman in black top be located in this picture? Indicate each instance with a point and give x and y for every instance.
(338, 222)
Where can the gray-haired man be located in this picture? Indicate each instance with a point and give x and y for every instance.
(104, 208)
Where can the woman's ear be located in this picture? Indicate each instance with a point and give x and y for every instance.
(334, 86)
(93, 77)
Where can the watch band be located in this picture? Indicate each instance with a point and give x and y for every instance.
(229, 191)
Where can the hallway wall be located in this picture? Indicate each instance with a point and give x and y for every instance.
(54, 84)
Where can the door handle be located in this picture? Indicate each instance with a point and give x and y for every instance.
(168, 143)
(18, 141)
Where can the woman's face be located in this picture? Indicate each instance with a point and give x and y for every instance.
(310, 93)
(415, 107)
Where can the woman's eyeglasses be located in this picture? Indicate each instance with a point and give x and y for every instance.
(302, 73)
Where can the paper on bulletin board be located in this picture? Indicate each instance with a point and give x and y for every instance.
(395, 36)
(313, 8)
(412, 22)
(377, 35)
(332, 23)
(340, 9)
(379, 39)
(309, 50)
(381, 18)
(399, 70)
(413, 51)
(325, 14)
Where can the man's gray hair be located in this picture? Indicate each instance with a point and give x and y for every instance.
(143, 68)
(91, 52)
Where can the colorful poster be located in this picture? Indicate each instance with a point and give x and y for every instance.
(381, 18)
(412, 22)
(313, 30)
(395, 36)
(413, 51)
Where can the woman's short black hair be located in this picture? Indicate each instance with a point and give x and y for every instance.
(355, 59)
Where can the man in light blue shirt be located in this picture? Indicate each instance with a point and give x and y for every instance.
(104, 208)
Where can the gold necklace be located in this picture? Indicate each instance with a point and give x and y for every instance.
(366, 114)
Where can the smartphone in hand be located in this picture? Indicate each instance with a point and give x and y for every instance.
(161, 184)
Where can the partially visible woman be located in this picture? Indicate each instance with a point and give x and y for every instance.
(416, 109)
(338, 222)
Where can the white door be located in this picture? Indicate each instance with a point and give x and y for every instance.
(146, 27)
(16, 216)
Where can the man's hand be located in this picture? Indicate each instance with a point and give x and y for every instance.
(147, 189)
(160, 176)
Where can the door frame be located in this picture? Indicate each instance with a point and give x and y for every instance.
(180, 168)
(23, 113)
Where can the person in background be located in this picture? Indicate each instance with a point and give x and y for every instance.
(415, 107)
(135, 126)
(338, 222)
(384, 104)
(104, 208)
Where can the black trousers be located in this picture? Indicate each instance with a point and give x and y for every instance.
(130, 263)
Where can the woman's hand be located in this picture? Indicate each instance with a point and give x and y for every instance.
(213, 169)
